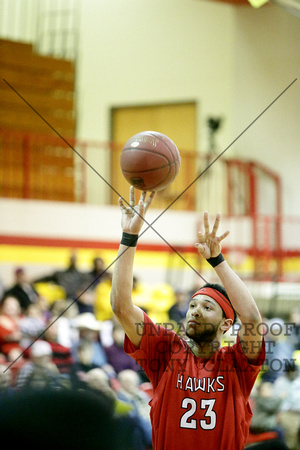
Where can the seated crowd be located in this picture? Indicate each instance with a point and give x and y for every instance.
(74, 343)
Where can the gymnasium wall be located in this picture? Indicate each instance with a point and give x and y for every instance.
(266, 61)
(153, 52)
(233, 61)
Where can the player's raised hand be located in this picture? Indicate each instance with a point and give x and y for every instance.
(209, 244)
(132, 216)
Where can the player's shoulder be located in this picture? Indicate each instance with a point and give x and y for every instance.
(159, 329)
(235, 352)
(229, 350)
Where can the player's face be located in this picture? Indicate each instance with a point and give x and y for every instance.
(203, 319)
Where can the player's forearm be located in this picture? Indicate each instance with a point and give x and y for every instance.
(120, 297)
(240, 297)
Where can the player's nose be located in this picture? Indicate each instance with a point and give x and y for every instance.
(196, 312)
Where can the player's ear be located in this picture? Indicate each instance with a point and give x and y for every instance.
(227, 324)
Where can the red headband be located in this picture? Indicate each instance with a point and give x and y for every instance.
(220, 299)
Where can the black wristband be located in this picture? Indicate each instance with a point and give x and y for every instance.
(216, 260)
(129, 239)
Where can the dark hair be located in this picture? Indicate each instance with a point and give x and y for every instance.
(221, 289)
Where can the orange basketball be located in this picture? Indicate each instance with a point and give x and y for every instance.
(150, 161)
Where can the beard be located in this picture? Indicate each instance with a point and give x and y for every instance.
(203, 333)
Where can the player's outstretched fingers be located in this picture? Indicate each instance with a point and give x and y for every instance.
(201, 237)
(143, 197)
(141, 205)
(200, 248)
(223, 236)
(150, 200)
(216, 225)
(121, 203)
(206, 222)
(131, 197)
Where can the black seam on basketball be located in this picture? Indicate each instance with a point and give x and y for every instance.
(159, 184)
(145, 150)
(152, 151)
(161, 140)
(157, 168)
(151, 170)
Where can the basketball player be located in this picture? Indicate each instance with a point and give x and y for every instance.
(201, 389)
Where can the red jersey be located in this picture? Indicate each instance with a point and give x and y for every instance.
(197, 402)
(8, 325)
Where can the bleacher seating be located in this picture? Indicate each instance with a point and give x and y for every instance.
(32, 167)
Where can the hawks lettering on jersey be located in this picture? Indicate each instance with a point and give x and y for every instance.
(205, 384)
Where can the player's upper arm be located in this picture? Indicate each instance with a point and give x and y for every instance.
(131, 319)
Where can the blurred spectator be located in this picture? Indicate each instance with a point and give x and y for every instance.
(66, 311)
(43, 305)
(39, 372)
(15, 361)
(85, 299)
(22, 289)
(97, 274)
(89, 333)
(60, 355)
(82, 365)
(279, 349)
(295, 319)
(178, 311)
(106, 331)
(98, 380)
(287, 387)
(70, 279)
(116, 356)
(5, 381)
(266, 409)
(130, 392)
(10, 334)
(31, 325)
(283, 386)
